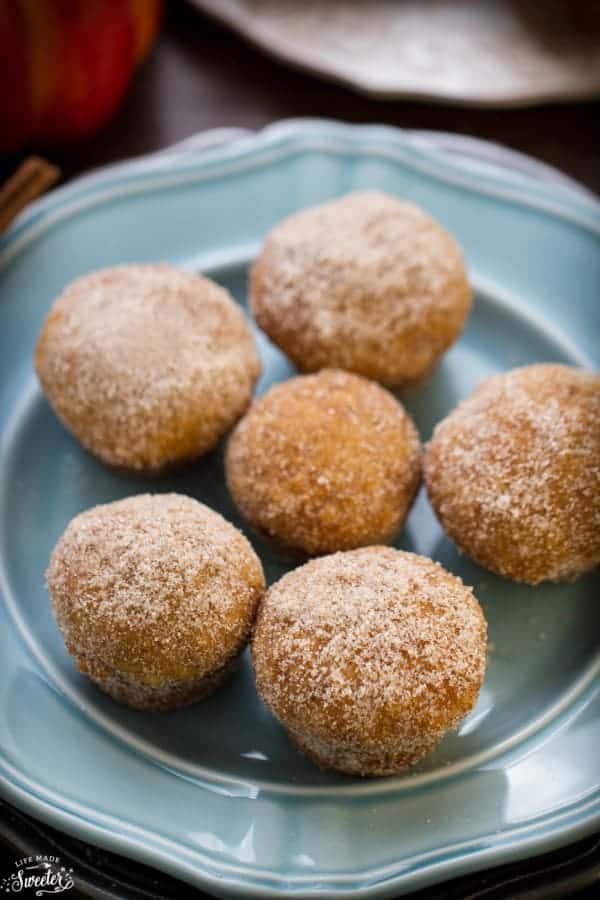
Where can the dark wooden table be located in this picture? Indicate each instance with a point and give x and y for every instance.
(201, 76)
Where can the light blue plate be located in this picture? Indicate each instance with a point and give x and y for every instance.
(215, 794)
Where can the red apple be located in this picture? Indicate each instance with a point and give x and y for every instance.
(65, 64)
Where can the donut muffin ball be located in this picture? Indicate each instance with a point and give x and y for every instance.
(155, 596)
(514, 473)
(147, 365)
(365, 283)
(324, 462)
(369, 657)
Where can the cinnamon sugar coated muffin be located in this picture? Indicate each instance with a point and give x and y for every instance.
(369, 657)
(366, 283)
(155, 596)
(147, 365)
(514, 473)
(325, 462)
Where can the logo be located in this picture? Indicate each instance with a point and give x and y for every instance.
(34, 876)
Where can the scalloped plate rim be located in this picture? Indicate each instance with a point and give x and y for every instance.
(582, 817)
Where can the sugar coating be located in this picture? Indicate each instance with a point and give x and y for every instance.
(368, 657)
(168, 695)
(325, 462)
(147, 365)
(154, 595)
(514, 473)
(365, 283)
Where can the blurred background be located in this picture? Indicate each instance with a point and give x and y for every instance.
(88, 82)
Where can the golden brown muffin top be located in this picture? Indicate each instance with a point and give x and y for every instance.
(375, 648)
(158, 586)
(325, 462)
(514, 472)
(146, 364)
(366, 283)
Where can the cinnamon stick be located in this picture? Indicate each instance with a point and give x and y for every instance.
(34, 176)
